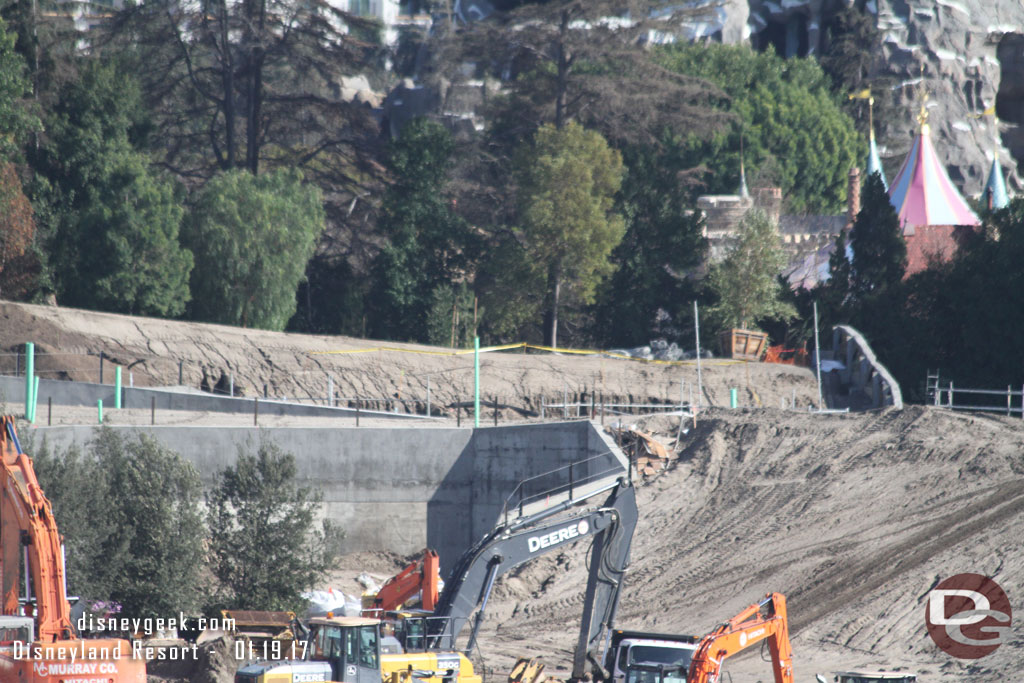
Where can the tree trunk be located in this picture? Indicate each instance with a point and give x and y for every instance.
(227, 67)
(551, 315)
(256, 18)
(563, 71)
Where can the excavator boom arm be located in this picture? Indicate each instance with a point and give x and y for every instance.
(506, 547)
(748, 628)
(419, 577)
(26, 521)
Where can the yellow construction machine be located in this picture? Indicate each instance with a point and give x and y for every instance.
(356, 650)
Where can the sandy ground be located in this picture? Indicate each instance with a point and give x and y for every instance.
(853, 517)
(298, 366)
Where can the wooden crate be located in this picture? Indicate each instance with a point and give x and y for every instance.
(743, 344)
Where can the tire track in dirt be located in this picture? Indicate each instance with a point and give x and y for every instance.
(834, 587)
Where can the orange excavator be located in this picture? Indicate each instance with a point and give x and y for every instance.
(37, 638)
(762, 621)
(420, 577)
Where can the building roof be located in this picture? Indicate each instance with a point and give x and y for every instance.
(995, 194)
(922, 192)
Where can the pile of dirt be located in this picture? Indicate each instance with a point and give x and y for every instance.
(853, 517)
(154, 351)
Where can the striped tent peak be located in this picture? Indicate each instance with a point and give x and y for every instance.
(874, 164)
(922, 192)
(995, 188)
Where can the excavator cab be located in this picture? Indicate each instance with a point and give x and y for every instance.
(350, 645)
(14, 628)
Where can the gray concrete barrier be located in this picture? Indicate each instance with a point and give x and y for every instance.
(12, 391)
(395, 489)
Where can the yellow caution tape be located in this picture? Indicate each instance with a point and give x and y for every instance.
(526, 345)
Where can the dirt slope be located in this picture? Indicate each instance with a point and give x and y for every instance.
(294, 365)
(854, 518)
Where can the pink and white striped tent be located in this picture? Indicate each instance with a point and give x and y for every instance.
(922, 192)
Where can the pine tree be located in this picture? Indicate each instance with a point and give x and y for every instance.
(879, 252)
(567, 182)
(746, 281)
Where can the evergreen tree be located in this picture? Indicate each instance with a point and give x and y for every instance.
(429, 247)
(264, 547)
(124, 542)
(794, 133)
(17, 119)
(879, 252)
(567, 182)
(747, 282)
(252, 237)
(649, 294)
(113, 220)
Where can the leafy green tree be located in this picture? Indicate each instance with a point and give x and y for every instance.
(649, 294)
(794, 132)
(746, 281)
(252, 237)
(17, 120)
(134, 534)
(429, 246)
(265, 550)
(567, 181)
(879, 252)
(114, 221)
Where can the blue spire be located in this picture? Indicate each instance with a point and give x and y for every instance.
(995, 189)
(874, 162)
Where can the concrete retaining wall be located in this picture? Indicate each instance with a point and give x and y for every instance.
(12, 389)
(397, 489)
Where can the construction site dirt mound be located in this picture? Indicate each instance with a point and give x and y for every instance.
(382, 375)
(853, 517)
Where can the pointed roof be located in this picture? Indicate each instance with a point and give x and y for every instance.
(875, 163)
(995, 193)
(922, 192)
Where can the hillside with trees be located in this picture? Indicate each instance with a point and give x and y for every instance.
(206, 166)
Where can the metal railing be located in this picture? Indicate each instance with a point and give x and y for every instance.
(945, 397)
(567, 480)
(594, 408)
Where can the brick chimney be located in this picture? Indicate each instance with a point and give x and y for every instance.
(853, 197)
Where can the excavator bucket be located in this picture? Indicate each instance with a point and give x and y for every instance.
(527, 671)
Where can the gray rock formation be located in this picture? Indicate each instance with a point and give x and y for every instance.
(971, 56)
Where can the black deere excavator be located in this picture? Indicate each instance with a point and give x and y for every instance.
(509, 545)
(468, 588)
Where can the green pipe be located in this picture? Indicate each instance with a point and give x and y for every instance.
(35, 399)
(476, 381)
(733, 402)
(99, 409)
(30, 369)
(117, 387)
